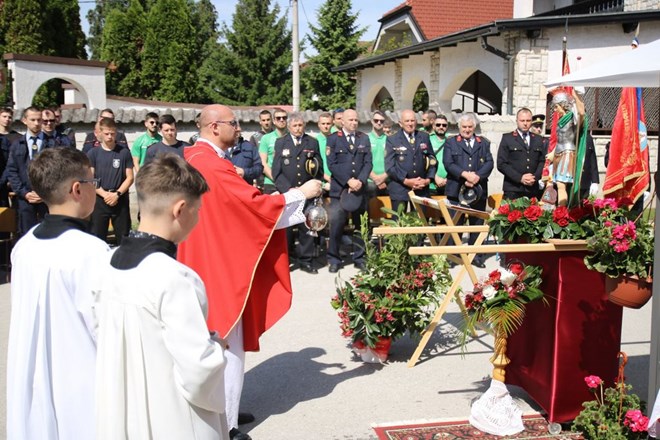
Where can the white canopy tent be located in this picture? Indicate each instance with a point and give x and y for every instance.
(634, 68)
(638, 67)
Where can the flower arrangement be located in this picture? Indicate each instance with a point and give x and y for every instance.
(397, 292)
(614, 414)
(499, 301)
(531, 221)
(620, 244)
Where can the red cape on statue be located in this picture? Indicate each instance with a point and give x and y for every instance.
(236, 250)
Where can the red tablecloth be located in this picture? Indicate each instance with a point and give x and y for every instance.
(578, 334)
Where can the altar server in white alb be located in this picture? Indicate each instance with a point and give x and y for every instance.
(160, 373)
(51, 358)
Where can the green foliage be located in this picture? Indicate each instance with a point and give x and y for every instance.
(421, 100)
(121, 46)
(251, 65)
(499, 301)
(49, 94)
(612, 414)
(97, 20)
(336, 40)
(22, 25)
(64, 31)
(394, 42)
(168, 52)
(396, 293)
(530, 221)
(620, 244)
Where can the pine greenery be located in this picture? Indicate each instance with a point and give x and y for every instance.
(251, 66)
(336, 40)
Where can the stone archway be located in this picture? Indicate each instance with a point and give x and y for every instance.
(30, 71)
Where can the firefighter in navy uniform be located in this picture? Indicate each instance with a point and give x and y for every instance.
(295, 161)
(409, 161)
(520, 159)
(350, 163)
(469, 162)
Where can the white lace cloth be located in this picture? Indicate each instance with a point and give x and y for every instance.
(495, 412)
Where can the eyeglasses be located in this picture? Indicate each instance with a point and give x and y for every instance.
(234, 123)
(151, 122)
(281, 118)
(378, 121)
(95, 182)
(441, 125)
(48, 121)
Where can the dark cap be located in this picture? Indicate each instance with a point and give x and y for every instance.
(351, 201)
(538, 119)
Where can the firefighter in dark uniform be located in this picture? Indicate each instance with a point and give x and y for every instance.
(295, 161)
(245, 157)
(468, 162)
(409, 161)
(350, 162)
(520, 159)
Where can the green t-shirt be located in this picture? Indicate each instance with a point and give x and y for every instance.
(267, 145)
(322, 140)
(139, 148)
(378, 152)
(438, 149)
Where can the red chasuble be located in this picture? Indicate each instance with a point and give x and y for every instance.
(236, 250)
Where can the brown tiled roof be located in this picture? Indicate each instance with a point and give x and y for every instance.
(437, 18)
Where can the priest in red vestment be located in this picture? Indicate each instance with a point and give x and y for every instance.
(239, 249)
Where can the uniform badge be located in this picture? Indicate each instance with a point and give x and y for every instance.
(327, 151)
(286, 152)
(423, 146)
(116, 163)
(286, 162)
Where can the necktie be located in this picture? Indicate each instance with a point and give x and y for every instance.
(469, 143)
(525, 138)
(351, 139)
(412, 139)
(297, 141)
(34, 146)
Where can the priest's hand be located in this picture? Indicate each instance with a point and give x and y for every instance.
(311, 188)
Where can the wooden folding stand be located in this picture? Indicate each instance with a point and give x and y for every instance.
(464, 257)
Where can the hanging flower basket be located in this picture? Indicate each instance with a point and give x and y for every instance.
(629, 290)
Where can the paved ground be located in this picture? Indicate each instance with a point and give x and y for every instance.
(305, 383)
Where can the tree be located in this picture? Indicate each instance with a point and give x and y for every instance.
(204, 17)
(121, 46)
(65, 34)
(336, 40)
(251, 67)
(21, 27)
(168, 52)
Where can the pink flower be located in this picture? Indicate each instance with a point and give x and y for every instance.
(593, 381)
(636, 421)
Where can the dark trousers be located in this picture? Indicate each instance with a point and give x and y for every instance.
(306, 244)
(338, 218)
(29, 214)
(120, 215)
(479, 205)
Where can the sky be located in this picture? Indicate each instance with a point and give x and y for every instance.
(369, 12)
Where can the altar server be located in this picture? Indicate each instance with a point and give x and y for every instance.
(160, 373)
(51, 357)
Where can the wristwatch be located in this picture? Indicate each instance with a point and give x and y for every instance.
(118, 193)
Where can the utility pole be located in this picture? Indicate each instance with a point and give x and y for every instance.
(296, 57)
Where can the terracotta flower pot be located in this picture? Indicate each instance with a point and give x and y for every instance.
(629, 291)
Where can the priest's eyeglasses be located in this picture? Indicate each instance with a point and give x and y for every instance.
(234, 123)
(95, 182)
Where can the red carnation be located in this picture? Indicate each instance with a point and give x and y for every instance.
(533, 212)
(560, 216)
(503, 209)
(516, 268)
(514, 216)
